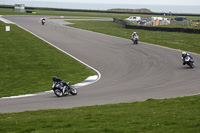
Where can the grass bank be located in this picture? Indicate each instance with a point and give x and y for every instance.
(179, 115)
(177, 40)
(28, 64)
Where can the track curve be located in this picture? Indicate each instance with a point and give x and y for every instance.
(128, 72)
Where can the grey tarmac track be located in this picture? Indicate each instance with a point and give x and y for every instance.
(128, 72)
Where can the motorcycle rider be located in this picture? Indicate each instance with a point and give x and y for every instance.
(134, 36)
(184, 56)
(43, 21)
(61, 82)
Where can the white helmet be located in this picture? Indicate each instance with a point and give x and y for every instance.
(134, 32)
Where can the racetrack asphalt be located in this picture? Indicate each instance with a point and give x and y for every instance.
(128, 72)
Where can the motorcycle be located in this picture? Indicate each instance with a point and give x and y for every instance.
(63, 89)
(189, 61)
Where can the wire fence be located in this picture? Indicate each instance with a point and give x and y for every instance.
(180, 23)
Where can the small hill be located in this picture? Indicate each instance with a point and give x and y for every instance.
(145, 10)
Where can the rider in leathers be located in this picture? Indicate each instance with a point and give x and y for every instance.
(184, 56)
(134, 36)
(61, 82)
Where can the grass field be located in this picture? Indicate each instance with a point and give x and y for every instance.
(28, 64)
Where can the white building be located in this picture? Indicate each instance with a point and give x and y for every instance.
(19, 8)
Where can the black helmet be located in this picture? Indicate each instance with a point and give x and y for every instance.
(54, 78)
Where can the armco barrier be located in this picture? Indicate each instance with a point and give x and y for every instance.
(128, 26)
(122, 22)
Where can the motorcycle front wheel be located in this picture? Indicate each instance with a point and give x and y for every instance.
(73, 90)
(191, 65)
(58, 92)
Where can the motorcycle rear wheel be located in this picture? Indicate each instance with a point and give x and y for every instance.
(58, 92)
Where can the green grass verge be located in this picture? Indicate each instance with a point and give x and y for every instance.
(28, 64)
(179, 115)
(177, 40)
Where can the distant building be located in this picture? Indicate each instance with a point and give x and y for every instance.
(19, 8)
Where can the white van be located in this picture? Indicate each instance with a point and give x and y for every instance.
(154, 18)
(134, 18)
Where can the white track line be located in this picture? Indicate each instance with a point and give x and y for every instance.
(5, 20)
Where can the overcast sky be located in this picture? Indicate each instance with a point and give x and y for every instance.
(152, 2)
